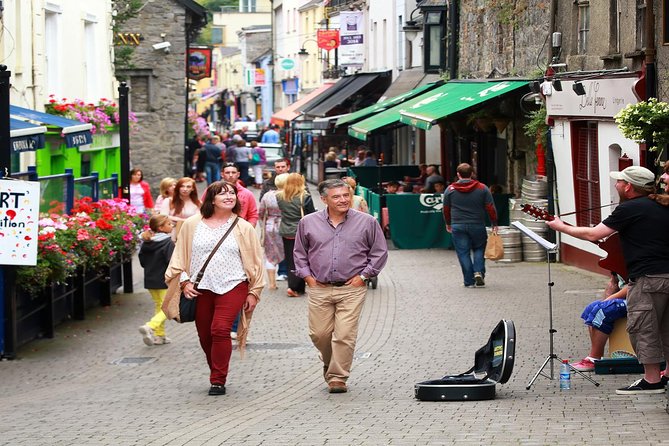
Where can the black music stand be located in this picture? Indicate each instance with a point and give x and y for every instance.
(551, 248)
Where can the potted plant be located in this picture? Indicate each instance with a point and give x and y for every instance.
(646, 122)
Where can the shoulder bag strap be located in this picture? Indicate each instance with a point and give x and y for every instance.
(213, 251)
(302, 205)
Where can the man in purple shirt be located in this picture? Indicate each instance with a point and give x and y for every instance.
(336, 251)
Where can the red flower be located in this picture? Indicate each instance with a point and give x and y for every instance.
(102, 224)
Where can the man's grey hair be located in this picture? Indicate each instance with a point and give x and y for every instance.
(325, 186)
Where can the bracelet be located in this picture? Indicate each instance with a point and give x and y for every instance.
(183, 284)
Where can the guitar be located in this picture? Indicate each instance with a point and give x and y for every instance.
(614, 260)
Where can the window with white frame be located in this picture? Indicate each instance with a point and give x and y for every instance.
(51, 53)
(583, 25)
(90, 62)
(640, 24)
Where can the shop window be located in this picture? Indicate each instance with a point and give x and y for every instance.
(583, 25)
(585, 157)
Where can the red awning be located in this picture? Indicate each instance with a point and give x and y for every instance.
(289, 113)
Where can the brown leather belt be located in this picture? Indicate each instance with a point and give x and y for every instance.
(341, 283)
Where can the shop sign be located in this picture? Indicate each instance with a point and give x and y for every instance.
(328, 39)
(603, 98)
(199, 63)
(28, 143)
(432, 203)
(287, 64)
(130, 39)
(19, 213)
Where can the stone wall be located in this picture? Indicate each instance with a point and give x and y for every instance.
(501, 38)
(158, 91)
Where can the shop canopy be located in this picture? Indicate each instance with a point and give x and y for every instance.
(384, 105)
(75, 133)
(291, 112)
(24, 136)
(343, 89)
(459, 96)
(426, 109)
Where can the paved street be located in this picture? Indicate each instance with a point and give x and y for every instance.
(86, 387)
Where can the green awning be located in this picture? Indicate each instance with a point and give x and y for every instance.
(383, 105)
(362, 129)
(452, 98)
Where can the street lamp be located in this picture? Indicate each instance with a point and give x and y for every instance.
(411, 27)
(303, 53)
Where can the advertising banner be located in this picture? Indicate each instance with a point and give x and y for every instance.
(328, 39)
(19, 213)
(416, 221)
(199, 63)
(351, 50)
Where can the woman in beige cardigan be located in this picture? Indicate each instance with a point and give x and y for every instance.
(233, 279)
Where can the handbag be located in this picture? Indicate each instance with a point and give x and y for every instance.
(494, 248)
(188, 306)
(255, 159)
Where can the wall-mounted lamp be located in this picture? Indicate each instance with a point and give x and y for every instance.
(579, 89)
(535, 86)
(234, 71)
(557, 84)
(411, 27)
(303, 53)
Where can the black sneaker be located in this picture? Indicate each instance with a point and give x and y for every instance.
(216, 389)
(641, 387)
(478, 280)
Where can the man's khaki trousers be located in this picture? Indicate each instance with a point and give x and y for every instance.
(334, 313)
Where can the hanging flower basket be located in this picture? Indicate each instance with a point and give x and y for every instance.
(645, 122)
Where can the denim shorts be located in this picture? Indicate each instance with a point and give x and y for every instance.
(601, 314)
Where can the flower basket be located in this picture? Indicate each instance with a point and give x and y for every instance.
(95, 236)
(645, 122)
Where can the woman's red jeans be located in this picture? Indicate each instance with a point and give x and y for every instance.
(214, 316)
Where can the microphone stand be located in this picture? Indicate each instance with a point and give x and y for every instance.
(552, 356)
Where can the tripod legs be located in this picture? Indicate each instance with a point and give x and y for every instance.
(550, 358)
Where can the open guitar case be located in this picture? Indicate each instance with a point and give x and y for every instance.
(493, 363)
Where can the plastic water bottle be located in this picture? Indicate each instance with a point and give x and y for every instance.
(565, 376)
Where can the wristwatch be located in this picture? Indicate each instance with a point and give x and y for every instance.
(363, 277)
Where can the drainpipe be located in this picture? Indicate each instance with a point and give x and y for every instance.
(549, 158)
(651, 74)
(454, 19)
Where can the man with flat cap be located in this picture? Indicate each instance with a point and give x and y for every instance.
(641, 223)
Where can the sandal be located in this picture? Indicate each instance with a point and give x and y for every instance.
(291, 293)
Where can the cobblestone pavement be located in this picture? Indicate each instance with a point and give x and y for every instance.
(96, 383)
(86, 387)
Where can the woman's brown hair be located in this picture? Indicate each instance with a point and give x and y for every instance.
(215, 188)
(177, 203)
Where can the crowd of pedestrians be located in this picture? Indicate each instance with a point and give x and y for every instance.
(331, 254)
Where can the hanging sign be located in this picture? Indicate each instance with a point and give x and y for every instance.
(327, 39)
(287, 64)
(352, 49)
(199, 63)
(19, 213)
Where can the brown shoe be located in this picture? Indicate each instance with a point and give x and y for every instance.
(337, 387)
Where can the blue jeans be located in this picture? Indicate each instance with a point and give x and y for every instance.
(213, 170)
(469, 241)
